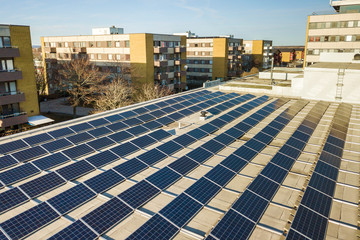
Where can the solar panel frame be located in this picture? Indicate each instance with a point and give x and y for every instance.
(104, 181)
(78, 151)
(81, 127)
(152, 157)
(101, 143)
(317, 201)
(322, 184)
(138, 130)
(62, 132)
(164, 178)
(125, 149)
(29, 154)
(326, 170)
(7, 161)
(203, 190)
(130, 167)
(152, 125)
(100, 131)
(37, 139)
(57, 145)
(169, 147)
(120, 136)
(80, 138)
(101, 159)
(18, 173)
(199, 155)
(183, 165)
(77, 230)
(115, 127)
(11, 198)
(132, 122)
(144, 141)
(75, 170)
(220, 175)
(234, 163)
(13, 146)
(114, 118)
(264, 187)
(99, 122)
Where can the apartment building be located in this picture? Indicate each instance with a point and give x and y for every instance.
(284, 55)
(155, 58)
(260, 51)
(333, 33)
(210, 58)
(18, 94)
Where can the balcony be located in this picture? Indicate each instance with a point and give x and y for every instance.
(161, 76)
(180, 61)
(52, 50)
(11, 97)
(10, 75)
(13, 119)
(160, 63)
(180, 74)
(160, 49)
(9, 52)
(231, 57)
(180, 49)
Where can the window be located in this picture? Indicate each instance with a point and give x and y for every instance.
(117, 44)
(196, 45)
(82, 44)
(91, 44)
(357, 38)
(171, 44)
(196, 53)
(99, 56)
(52, 44)
(127, 57)
(66, 44)
(127, 44)
(59, 44)
(210, 70)
(203, 53)
(211, 44)
(92, 56)
(108, 43)
(47, 44)
(188, 45)
(350, 24)
(6, 65)
(203, 45)
(98, 44)
(118, 57)
(110, 56)
(211, 62)
(348, 38)
(75, 44)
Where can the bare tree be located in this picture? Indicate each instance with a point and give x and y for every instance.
(41, 84)
(148, 91)
(80, 77)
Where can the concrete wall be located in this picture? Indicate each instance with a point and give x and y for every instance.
(278, 75)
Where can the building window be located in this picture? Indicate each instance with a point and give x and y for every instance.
(82, 44)
(98, 44)
(127, 44)
(211, 44)
(117, 44)
(66, 44)
(92, 56)
(91, 44)
(196, 53)
(108, 43)
(75, 44)
(99, 56)
(127, 57)
(110, 56)
(52, 44)
(118, 57)
(59, 44)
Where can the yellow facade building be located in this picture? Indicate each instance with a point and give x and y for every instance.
(261, 51)
(18, 93)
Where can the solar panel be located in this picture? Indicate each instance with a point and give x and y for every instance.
(184, 140)
(101, 131)
(270, 131)
(181, 210)
(81, 127)
(195, 108)
(282, 161)
(292, 235)
(71, 198)
(120, 136)
(18, 173)
(98, 122)
(42, 184)
(139, 194)
(264, 138)
(115, 127)
(78, 151)
(218, 123)
(226, 118)
(197, 134)
(114, 118)
(245, 153)
(242, 127)
(335, 141)
(7, 161)
(333, 149)
(235, 133)
(11, 198)
(77, 230)
(75, 170)
(101, 159)
(104, 181)
(233, 226)
(176, 116)
(2, 236)
(234, 163)
(183, 165)
(26, 222)
(132, 122)
(322, 184)
(128, 114)
(274, 173)
(165, 120)
(250, 205)
(255, 145)
(40, 138)
(163, 178)
(140, 110)
(125, 149)
(263, 187)
(317, 201)
(137, 130)
(151, 157)
(101, 143)
(208, 128)
(213, 146)
(29, 154)
(156, 228)
(152, 125)
(57, 145)
(107, 215)
(220, 175)
(177, 106)
(130, 168)
(169, 109)
(144, 141)
(326, 170)
(309, 223)
(146, 117)
(151, 107)
(199, 155)
(158, 113)
(203, 190)
(80, 138)
(62, 132)
(169, 148)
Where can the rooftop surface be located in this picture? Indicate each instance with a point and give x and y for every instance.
(257, 167)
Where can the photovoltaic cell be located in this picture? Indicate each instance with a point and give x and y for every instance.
(183, 165)
(107, 215)
(7, 161)
(104, 181)
(115, 127)
(220, 175)
(127, 114)
(27, 222)
(62, 132)
(331, 159)
(75, 170)
(322, 184)
(199, 155)
(42, 184)
(264, 138)
(151, 107)
(80, 138)
(208, 128)
(176, 116)
(235, 133)
(224, 139)
(29, 154)
(101, 131)
(140, 110)
(282, 161)
(326, 170)
(12, 146)
(203, 190)
(132, 122)
(57, 145)
(234, 163)
(130, 168)
(40, 138)
(317, 201)
(101, 159)
(245, 153)
(274, 173)
(250, 205)
(81, 127)
(146, 117)
(77, 230)
(78, 151)
(18, 173)
(125, 149)
(197, 134)
(137, 130)
(163, 178)
(139, 194)
(292, 235)
(120, 136)
(263, 187)
(213, 146)
(169, 148)
(158, 113)
(11, 198)
(114, 118)
(152, 125)
(101, 143)
(255, 145)
(184, 140)
(181, 210)
(165, 120)
(98, 122)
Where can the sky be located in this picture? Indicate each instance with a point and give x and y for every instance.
(283, 21)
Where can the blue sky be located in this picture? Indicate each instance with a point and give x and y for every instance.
(283, 21)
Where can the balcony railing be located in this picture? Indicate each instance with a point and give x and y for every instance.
(180, 49)
(13, 119)
(180, 61)
(9, 52)
(160, 63)
(160, 49)
(11, 97)
(10, 75)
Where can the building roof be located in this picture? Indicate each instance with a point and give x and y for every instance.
(156, 170)
(336, 65)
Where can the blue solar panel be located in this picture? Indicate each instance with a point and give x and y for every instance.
(208, 128)
(81, 127)
(157, 228)
(184, 140)
(98, 132)
(317, 201)
(197, 134)
(40, 138)
(77, 230)
(234, 163)
(199, 155)
(292, 235)
(235, 133)
(140, 110)
(218, 123)
(322, 184)
(75, 170)
(163, 178)
(326, 170)
(57, 145)
(331, 159)
(152, 125)
(264, 138)
(42, 184)
(80, 138)
(98, 122)
(226, 118)
(213, 146)
(29, 154)
(158, 113)
(27, 222)
(62, 132)
(11, 198)
(127, 114)
(71, 198)
(146, 117)
(7, 161)
(289, 151)
(101, 143)
(18, 173)
(255, 145)
(220, 175)
(144, 141)
(335, 141)
(139, 194)
(101, 159)
(195, 108)
(250, 205)
(282, 161)
(186, 112)
(169, 148)
(120, 136)
(104, 181)
(132, 122)
(125, 149)
(165, 120)
(176, 116)
(233, 226)
(151, 157)
(130, 168)
(183, 165)
(270, 131)
(78, 151)
(224, 139)
(137, 130)
(114, 118)
(151, 107)
(295, 143)
(242, 127)
(245, 153)
(169, 109)
(263, 187)
(274, 173)
(333, 149)
(203, 190)
(115, 127)
(107, 215)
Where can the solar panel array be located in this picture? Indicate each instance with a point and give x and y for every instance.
(131, 147)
